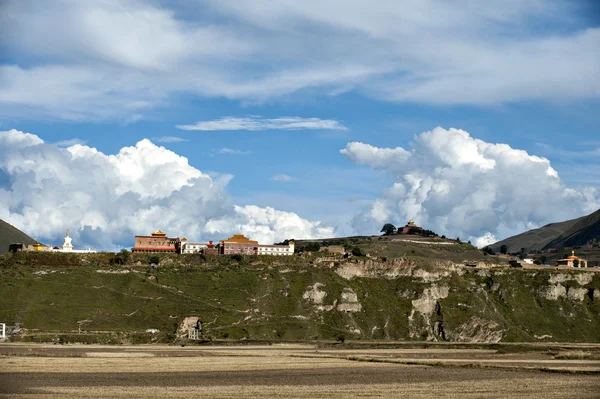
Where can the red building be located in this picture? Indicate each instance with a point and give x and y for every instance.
(157, 242)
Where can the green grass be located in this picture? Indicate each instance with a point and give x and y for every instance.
(260, 298)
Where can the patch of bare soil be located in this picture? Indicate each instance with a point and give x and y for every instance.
(292, 371)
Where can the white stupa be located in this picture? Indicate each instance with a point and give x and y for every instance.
(68, 247)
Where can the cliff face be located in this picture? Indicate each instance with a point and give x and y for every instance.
(308, 299)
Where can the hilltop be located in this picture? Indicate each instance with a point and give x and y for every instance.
(570, 233)
(9, 234)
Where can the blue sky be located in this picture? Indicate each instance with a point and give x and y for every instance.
(109, 74)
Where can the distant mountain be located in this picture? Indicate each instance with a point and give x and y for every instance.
(570, 233)
(9, 234)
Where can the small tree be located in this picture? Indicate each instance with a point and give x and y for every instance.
(388, 229)
(313, 246)
(154, 259)
(504, 249)
(488, 250)
(457, 239)
(125, 255)
(543, 259)
(356, 251)
(576, 263)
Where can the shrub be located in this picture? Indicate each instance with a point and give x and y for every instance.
(237, 257)
(356, 251)
(313, 246)
(154, 259)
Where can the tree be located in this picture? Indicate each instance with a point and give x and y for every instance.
(504, 249)
(457, 239)
(576, 263)
(388, 229)
(125, 255)
(543, 259)
(488, 250)
(313, 246)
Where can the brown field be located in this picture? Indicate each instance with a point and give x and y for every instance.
(294, 371)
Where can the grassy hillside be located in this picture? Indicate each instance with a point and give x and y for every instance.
(9, 234)
(301, 297)
(536, 239)
(585, 230)
(570, 233)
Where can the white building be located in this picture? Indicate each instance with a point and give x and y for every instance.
(192, 247)
(276, 249)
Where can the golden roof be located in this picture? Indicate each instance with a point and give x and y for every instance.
(159, 233)
(239, 239)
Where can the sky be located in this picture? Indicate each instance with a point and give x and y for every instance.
(288, 119)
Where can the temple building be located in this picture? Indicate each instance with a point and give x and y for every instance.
(238, 244)
(157, 242)
(572, 261)
(409, 226)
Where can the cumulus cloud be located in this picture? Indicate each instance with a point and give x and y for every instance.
(70, 142)
(103, 59)
(461, 186)
(106, 199)
(255, 123)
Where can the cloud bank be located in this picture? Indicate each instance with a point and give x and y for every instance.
(91, 60)
(107, 199)
(455, 184)
(254, 123)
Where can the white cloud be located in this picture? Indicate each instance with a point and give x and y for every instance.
(255, 123)
(106, 199)
(457, 185)
(169, 139)
(99, 60)
(233, 151)
(282, 177)
(70, 142)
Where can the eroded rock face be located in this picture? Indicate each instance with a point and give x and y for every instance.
(349, 301)
(478, 330)
(577, 294)
(186, 324)
(554, 292)
(315, 294)
(426, 303)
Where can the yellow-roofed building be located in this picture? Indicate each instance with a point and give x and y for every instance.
(572, 261)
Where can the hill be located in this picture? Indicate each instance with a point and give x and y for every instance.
(9, 234)
(302, 297)
(570, 233)
(586, 229)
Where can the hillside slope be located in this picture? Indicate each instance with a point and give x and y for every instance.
(569, 233)
(294, 298)
(9, 234)
(583, 231)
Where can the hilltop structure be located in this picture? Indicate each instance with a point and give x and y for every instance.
(240, 244)
(410, 226)
(572, 261)
(156, 242)
(68, 247)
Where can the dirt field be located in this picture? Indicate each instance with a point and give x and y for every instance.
(291, 371)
